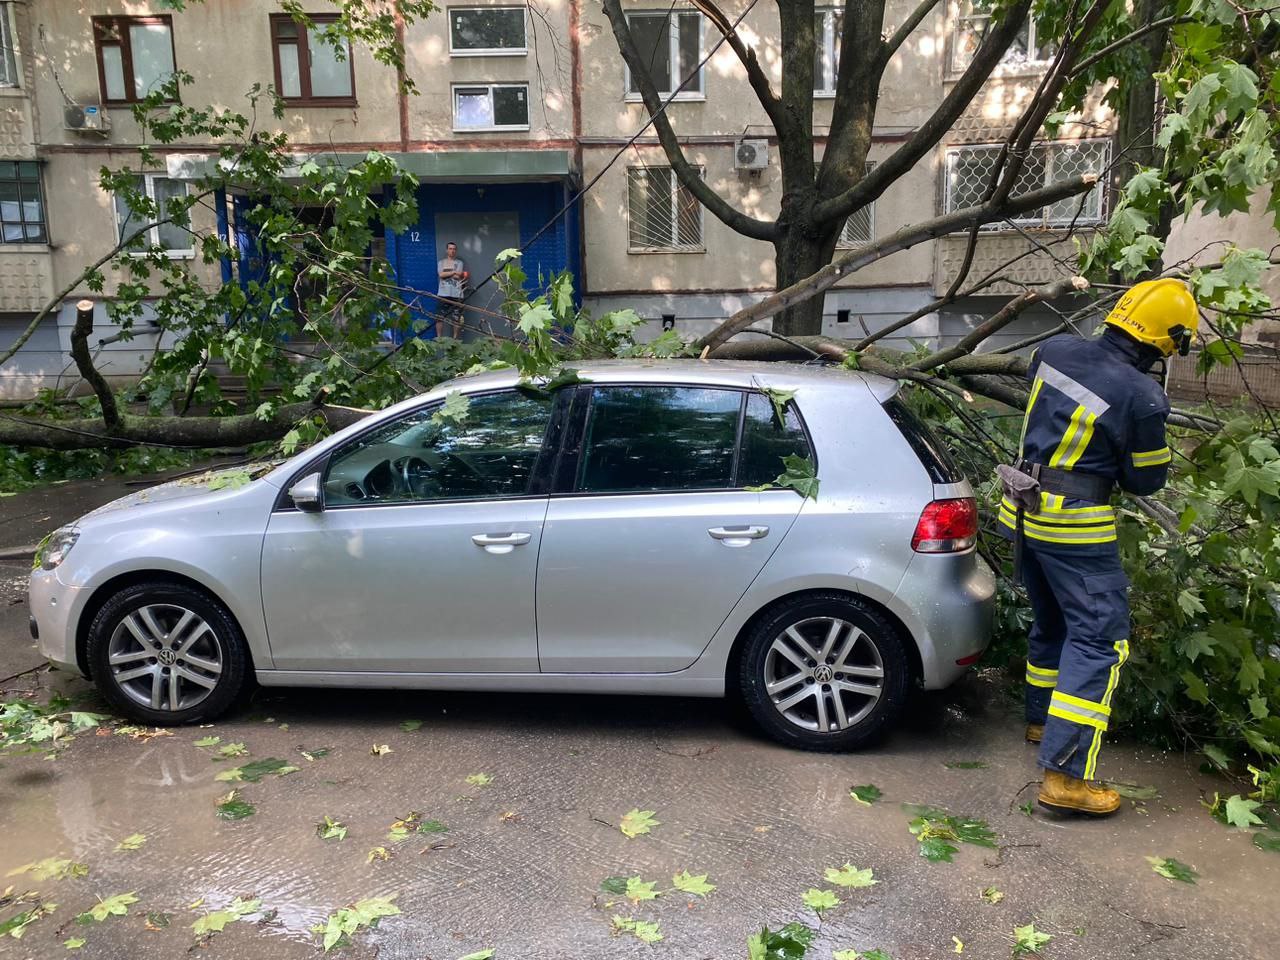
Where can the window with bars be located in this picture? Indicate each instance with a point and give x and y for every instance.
(860, 225)
(135, 56)
(8, 54)
(174, 240)
(21, 203)
(1026, 50)
(671, 44)
(663, 213)
(969, 172)
(827, 25)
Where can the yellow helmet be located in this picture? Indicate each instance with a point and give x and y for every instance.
(1161, 313)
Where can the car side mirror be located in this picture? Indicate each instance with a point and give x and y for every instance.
(307, 494)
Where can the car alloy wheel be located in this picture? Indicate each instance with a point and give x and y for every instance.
(165, 657)
(823, 674)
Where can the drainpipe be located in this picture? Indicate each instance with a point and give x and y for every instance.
(400, 80)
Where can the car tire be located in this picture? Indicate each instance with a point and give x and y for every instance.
(792, 694)
(179, 633)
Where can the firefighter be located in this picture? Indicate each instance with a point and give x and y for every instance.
(1095, 418)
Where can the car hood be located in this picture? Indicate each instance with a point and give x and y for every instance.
(203, 486)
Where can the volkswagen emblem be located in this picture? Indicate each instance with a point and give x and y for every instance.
(823, 673)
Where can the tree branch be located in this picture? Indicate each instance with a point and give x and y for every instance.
(926, 137)
(1127, 39)
(908, 27)
(84, 363)
(869, 253)
(689, 176)
(747, 57)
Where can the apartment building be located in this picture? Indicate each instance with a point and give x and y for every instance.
(519, 106)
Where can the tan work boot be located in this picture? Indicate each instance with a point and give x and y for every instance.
(1035, 732)
(1068, 795)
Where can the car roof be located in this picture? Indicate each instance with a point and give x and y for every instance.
(728, 373)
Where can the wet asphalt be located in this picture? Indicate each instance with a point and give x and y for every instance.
(519, 868)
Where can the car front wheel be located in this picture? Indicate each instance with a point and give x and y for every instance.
(165, 653)
(824, 672)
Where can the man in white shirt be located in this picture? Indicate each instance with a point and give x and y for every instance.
(453, 274)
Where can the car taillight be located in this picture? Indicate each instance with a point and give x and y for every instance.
(947, 526)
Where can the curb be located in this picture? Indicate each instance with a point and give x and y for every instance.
(18, 553)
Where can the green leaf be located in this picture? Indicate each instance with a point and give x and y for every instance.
(1239, 812)
(534, 317)
(1195, 687)
(331, 829)
(254, 771)
(636, 822)
(867, 794)
(616, 885)
(1267, 841)
(992, 895)
(408, 726)
(454, 409)
(1189, 602)
(688, 883)
(1258, 707)
(798, 474)
(1134, 792)
(51, 868)
(965, 765)
(341, 924)
(780, 399)
(233, 808)
(1172, 869)
(217, 920)
(936, 849)
(132, 842)
(510, 253)
(792, 942)
(643, 930)
(231, 750)
(115, 906)
(478, 955)
(1241, 87)
(432, 826)
(850, 876)
(479, 780)
(74, 943)
(1198, 644)
(820, 900)
(1028, 939)
(210, 741)
(638, 890)
(1217, 756)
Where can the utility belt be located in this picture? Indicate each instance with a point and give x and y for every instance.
(1023, 483)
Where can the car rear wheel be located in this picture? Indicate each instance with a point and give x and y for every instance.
(824, 672)
(165, 653)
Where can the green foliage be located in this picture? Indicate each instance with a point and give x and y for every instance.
(646, 931)
(867, 794)
(938, 832)
(637, 822)
(1028, 939)
(255, 770)
(28, 727)
(792, 942)
(217, 920)
(798, 474)
(1172, 869)
(341, 925)
(819, 900)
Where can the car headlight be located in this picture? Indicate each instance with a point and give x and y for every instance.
(55, 547)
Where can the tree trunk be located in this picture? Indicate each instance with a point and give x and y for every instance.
(800, 253)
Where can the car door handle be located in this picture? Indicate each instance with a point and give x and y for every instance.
(738, 536)
(501, 542)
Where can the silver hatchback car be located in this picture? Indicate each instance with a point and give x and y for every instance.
(604, 537)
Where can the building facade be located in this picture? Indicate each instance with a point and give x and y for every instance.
(519, 107)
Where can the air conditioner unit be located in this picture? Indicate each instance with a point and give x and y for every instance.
(751, 155)
(85, 117)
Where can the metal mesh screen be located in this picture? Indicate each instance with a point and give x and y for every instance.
(969, 171)
(664, 215)
(860, 226)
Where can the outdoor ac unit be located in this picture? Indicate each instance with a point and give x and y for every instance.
(85, 117)
(751, 155)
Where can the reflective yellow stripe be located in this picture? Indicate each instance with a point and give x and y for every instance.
(1068, 437)
(1067, 698)
(1039, 682)
(1082, 441)
(1122, 654)
(1152, 458)
(1062, 714)
(1041, 671)
(1035, 392)
(1053, 519)
(1087, 535)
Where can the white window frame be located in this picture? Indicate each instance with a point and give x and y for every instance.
(153, 234)
(521, 51)
(1006, 65)
(1035, 218)
(829, 43)
(490, 86)
(9, 59)
(675, 214)
(690, 91)
(845, 241)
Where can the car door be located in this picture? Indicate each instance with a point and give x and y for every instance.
(653, 538)
(424, 556)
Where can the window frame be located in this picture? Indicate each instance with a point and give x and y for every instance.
(830, 44)
(22, 221)
(1042, 220)
(677, 186)
(844, 241)
(521, 51)
(1005, 67)
(539, 481)
(691, 92)
(9, 48)
(566, 470)
(153, 233)
(122, 23)
(303, 43)
(490, 85)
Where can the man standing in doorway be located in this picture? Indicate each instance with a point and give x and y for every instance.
(452, 271)
(1095, 420)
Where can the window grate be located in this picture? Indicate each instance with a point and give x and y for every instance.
(664, 214)
(969, 171)
(860, 225)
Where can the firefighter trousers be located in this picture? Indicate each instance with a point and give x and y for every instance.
(1076, 648)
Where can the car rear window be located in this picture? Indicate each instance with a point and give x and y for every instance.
(934, 456)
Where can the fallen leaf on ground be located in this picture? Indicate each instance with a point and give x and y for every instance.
(688, 883)
(364, 913)
(867, 794)
(479, 779)
(432, 826)
(636, 822)
(255, 770)
(1132, 791)
(820, 900)
(51, 868)
(408, 726)
(1173, 869)
(850, 876)
(74, 943)
(132, 842)
(992, 895)
(1239, 812)
(478, 955)
(378, 853)
(210, 741)
(638, 890)
(217, 920)
(316, 754)
(965, 765)
(1267, 841)
(231, 807)
(114, 906)
(1028, 939)
(231, 750)
(380, 750)
(331, 829)
(959, 944)
(643, 930)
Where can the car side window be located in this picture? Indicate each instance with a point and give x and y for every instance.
(766, 440)
(489, 452)
(647, 438)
